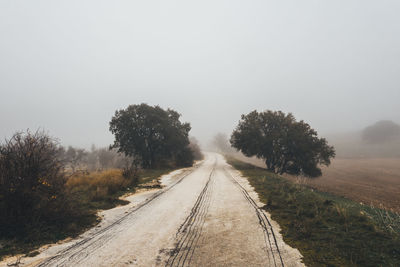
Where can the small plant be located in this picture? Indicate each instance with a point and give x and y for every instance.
(388, 220)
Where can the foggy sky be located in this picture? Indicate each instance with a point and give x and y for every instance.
(66, 66)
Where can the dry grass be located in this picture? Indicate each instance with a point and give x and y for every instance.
(103, 189)
(372, 181)
(86, 194)
(98, 185)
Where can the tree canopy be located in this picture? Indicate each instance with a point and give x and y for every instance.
(286, 145)
(152, 135)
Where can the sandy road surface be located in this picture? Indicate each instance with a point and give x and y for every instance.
(205, 216)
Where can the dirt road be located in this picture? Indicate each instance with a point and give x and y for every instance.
(205, 216)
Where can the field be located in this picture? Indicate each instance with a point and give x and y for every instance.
(328, 230)
(373, 181)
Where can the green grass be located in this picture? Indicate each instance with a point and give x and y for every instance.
(86, 194)
(328, 230)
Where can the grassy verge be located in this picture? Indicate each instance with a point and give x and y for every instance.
(85, 195)
(101, 190)
(328, 230)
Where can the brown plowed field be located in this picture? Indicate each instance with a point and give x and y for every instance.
(373, 181)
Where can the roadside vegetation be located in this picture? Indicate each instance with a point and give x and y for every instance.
(103, 189)
(43, 202)
(49, 193)
(34, 204)
(328, 230)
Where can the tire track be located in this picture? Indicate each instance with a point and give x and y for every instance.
(190, 231)
(264, 223)
(101, 237)
(191, 228)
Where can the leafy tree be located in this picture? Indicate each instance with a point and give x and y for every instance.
(195, 147)
(286, 145)
(184, 157)
(152, 135)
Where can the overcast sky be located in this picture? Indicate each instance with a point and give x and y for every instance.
(66, 66)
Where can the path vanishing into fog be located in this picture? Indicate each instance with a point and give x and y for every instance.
(207, 215)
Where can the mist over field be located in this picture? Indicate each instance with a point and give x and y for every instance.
(66, 67)
(381, 139)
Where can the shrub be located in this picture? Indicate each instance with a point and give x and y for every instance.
(31, 180)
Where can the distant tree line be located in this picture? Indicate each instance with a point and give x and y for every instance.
(96, 159)
(93, 159)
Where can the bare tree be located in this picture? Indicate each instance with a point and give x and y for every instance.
(31, 176)
(106, 158)
(75, 157)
